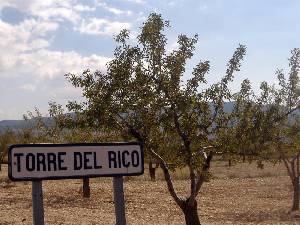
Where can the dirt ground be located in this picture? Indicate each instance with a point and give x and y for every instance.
(241, 194)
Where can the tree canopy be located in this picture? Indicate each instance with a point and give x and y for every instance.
(143, 96)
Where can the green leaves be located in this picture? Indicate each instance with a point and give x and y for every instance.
(272, 116)
(143, 97)
(198, 77)
(234, 63)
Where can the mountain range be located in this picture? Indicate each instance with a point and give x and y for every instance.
(16, 125)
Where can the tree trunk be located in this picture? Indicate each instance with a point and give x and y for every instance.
(190, 213)
(86, 192)
(152, 170)
(296, 189)
(244, 158)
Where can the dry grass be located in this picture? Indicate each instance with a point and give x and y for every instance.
(241, 194)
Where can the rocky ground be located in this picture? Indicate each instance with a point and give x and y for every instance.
(241, 194)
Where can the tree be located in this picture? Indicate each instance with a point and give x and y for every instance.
(268, 127)
(142, 95)
(7, 137)
(237, 135)
(285, 111)
(288, 147)
(11, 136)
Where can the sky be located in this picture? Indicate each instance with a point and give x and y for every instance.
(42, 40)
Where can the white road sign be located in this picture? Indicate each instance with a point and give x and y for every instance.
(62, 161)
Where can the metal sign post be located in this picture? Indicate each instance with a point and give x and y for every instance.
(119, 200)
(37, 203)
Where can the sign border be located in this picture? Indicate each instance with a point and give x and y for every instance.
(72, 144)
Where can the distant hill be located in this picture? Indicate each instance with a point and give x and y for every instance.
(21, 124)
(13, 124)
(17, 125)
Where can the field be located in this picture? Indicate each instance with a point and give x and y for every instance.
(241, 194)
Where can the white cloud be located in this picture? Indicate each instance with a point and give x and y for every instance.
(24, 52)
(58, 14)
(137, 1)
(27, 36)
(84, 8)
(40, 74)
(49, 64)
(15, 40)
(28, 87)
(27, 62)
(67, 10)
(99, 26)
(59, 63)
(113, 10)
(117, 11)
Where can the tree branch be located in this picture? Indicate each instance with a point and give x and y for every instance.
(202, 174)
(167, 176)
(132, 130)
(179, 131)
(286, 163)
(278, 119)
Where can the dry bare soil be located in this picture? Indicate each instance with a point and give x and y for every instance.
(241, 194)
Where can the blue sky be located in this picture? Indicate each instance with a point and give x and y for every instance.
(41, 40)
